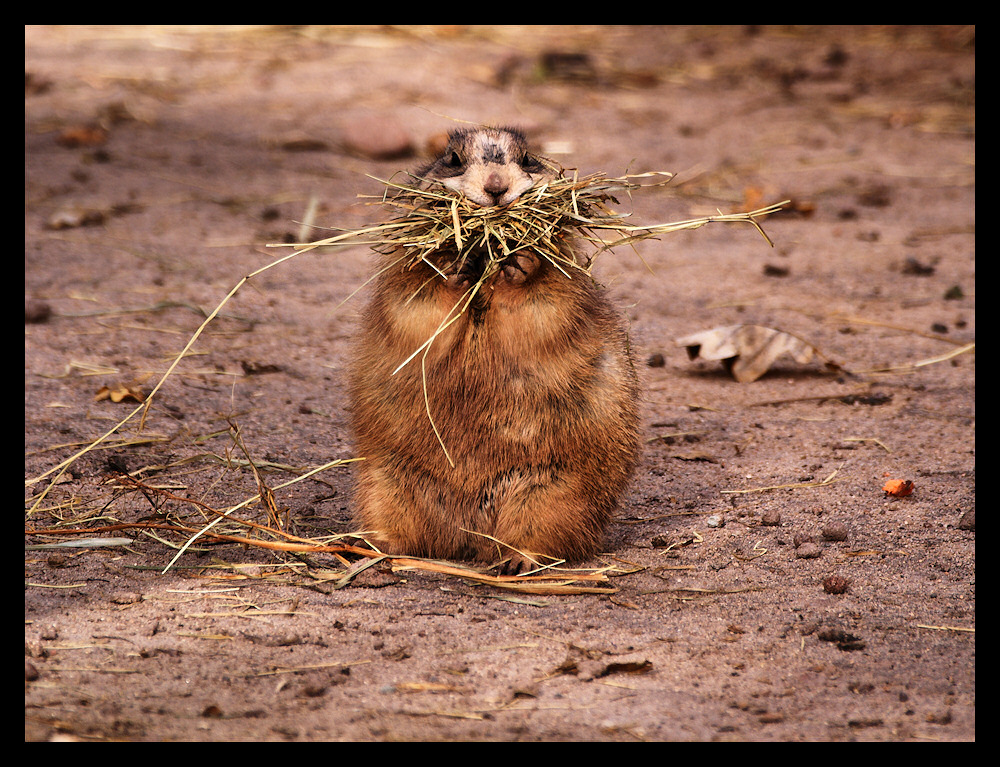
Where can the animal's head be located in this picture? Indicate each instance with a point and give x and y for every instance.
(490, 166)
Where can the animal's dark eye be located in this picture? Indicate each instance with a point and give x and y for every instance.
(531, 164)
(452, 160)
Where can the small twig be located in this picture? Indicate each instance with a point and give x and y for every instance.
(967, 348)
(822, 483)
(873, 440)
(945, 628)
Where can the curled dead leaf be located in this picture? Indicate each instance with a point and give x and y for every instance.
(899, 488)
(119, 393)
(748, 350)
(73, 217)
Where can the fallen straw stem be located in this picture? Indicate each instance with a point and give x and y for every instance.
(253, 499)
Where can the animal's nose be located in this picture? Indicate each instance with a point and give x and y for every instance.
(496, 186)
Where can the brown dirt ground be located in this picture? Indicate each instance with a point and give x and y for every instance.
(160, 162)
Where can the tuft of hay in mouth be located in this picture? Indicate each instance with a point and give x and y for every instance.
(428, 219)
(432, 219)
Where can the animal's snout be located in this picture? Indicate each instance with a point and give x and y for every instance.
(496, 186)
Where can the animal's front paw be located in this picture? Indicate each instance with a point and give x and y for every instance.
(518, 267)
(519, 563)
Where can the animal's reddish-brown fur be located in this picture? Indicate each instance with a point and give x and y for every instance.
(533, 392)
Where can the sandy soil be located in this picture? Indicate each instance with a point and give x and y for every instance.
(764, 586)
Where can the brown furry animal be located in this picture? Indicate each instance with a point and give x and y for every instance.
(532, 390)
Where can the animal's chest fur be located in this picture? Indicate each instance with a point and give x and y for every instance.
(500, 369)
(515, 373)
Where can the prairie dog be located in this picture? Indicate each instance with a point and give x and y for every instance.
(532, 390)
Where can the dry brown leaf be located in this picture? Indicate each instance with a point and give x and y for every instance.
(900, 488)
(82, 135)
(119, 393)
(748, 350)
(626, 667)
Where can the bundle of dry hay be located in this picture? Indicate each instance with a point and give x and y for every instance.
(428, 218)
(432, 218)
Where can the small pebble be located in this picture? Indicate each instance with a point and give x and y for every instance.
(800, 538)
(771, 518)
(835, 584)
(36, 311)
(808, 550)
(835, 531)
(377, 138)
